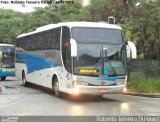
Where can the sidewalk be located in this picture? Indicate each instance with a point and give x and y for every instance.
(143, 94)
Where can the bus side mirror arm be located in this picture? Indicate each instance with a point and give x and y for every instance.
(73, 48)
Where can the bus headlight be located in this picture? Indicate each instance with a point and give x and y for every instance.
(74, 83)
(120, 82)
(81, 83)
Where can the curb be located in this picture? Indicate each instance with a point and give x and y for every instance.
(143, 94)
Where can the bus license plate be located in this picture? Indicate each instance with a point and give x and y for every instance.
(103, 90)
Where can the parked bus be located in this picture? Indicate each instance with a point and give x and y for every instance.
(7, 60)
(74, 58)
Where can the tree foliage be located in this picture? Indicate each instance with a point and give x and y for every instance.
(10, 25)
(140, 20)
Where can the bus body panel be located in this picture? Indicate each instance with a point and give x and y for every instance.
(41, 65)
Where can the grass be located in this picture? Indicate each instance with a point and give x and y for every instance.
(144, 85)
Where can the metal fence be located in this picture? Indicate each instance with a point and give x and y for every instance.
(146, 68)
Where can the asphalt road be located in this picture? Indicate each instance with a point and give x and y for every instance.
(35, 101)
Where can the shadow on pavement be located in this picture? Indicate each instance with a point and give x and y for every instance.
(72, 98)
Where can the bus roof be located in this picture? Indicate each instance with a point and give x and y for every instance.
(73, 24)
(6, 45)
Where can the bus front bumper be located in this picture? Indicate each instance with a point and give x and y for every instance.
(97, 90)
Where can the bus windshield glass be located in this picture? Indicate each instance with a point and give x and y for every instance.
(8, 54)
(93, 60)
(97, 35)
(99, 52)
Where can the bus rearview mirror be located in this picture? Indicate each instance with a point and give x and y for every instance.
(131, 50)
(73, 48)
(0, 54)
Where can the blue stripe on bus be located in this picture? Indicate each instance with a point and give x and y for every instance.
(19, 59)
(35, 63)
(111, 78)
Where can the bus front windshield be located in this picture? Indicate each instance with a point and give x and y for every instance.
(98, 56)
(8, 54)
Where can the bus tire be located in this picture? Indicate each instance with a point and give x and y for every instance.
(3, 78)
(56, 87)
(24, 79)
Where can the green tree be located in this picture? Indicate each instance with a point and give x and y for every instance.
(140, 20)
(10, 25)
(144, 29)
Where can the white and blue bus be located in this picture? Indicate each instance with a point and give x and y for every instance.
(74, 58)
(7, 60)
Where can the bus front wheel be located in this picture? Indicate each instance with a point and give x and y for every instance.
(3, 78)
(56, 87)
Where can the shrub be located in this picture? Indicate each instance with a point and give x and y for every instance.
(143, 85)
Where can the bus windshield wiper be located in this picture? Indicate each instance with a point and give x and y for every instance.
(106, 56)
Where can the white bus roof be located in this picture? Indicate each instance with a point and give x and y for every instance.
(73, 24)
(6, 45)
